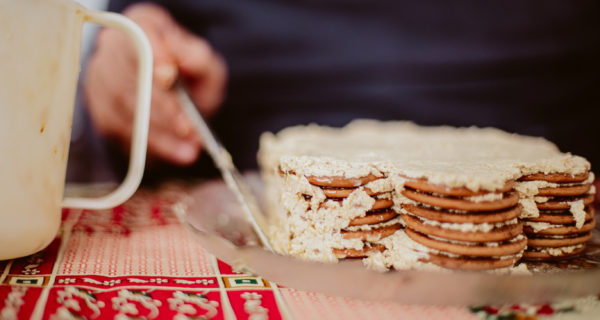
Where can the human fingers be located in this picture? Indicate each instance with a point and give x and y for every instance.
(166, 112)
(167, 146)
(107, 76)
(156, 23)
(165, 141)
(109, 120)
(202, 68)
(171, 136)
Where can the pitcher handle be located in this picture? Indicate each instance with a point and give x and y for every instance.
(139, 139)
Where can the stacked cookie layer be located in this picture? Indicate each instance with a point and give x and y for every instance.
(464, 229)
(378, 222)
(565, 218)
(330, 193)
(328, 218)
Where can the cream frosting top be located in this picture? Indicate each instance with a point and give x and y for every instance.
(475, 158)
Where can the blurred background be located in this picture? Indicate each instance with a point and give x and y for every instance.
(520, 66)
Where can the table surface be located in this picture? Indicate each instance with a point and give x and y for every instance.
(137, 260)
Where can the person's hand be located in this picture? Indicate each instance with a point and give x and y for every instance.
(110, 84)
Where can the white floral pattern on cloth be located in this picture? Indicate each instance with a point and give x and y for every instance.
(103, 282)
(13, 303)
(34, 261)
(69, 299)
(199, 281)
(582, 308)
(125, 304)
(110, 283)
(185, 305)
(253, 306)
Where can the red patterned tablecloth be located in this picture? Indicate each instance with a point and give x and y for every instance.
(138, 261)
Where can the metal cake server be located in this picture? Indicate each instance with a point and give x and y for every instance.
(222, 159)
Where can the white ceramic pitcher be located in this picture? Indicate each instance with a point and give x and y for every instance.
(40, 44)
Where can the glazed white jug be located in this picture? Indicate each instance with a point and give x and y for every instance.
(40, 44)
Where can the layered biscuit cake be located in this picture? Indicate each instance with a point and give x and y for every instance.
(402, 196)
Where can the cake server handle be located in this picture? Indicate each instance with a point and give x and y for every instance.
(223, 161)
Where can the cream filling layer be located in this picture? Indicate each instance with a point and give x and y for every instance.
(467, 227)
(401, 253)
(534, 186)
(558, 236)
(452, 255)
(529, 208)
(577, 208)
(539, 226)
(380, 185)
(367, 227)
(475, 158)
(557, 252)
(474, 244)
(486, 197)
(482, 198)
(311, 229)
(528, 198)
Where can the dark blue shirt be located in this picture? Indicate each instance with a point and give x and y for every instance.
(530, 67)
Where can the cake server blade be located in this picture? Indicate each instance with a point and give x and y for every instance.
(223, 161)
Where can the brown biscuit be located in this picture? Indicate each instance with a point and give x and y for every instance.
(556, 177)
(565, 191)
(341, 182)
(562, 204)
(559, 242)
(498, 234)
(564, 217)
(475, 250)
(353, 253)
(532, 254)
(564, 229)
(373, 234)
(452, 217)
(509, 200)
(373, 218)
(425, 186)
(464, 263)
(343, 192)
(382, 204)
